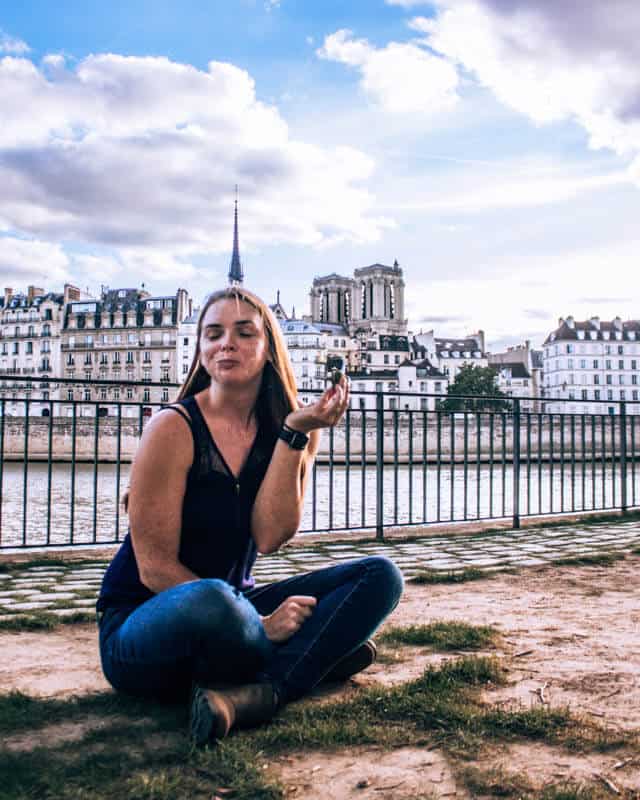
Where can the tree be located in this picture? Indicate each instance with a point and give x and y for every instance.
(479, 382)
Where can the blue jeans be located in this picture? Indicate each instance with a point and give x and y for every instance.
(209, 632)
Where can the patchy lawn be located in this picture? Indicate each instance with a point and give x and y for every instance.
(522, 685)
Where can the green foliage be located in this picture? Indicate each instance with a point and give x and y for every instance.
(478, 382)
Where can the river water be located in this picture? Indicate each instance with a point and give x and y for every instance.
(337, 497)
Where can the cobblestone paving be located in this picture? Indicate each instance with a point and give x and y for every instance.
(65, 590)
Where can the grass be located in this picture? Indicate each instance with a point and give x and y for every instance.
(442, 635)
(139, 749)
(589, 560)
(44, 621)
(453, 576)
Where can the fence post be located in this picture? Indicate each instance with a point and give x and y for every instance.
(516, 463)
(623, 457)
(379, 465)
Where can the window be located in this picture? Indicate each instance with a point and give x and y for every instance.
(129, 393)
(570, 363)
(116, 393)
(117, 338)
(106, 339)
(621, 380)
(584, 394)
(595, 363)
(146, 375)
(87, 358)
(146, 396)
(47, 315)
(634, 394)
(343, 343)
(620, 364)
(569, 348)
(620, 350)
(129, 357)
(165, 395)
(609, 380)
(622, 395)
(69, 394)
(596, 379)
(634, 363)
(165, 339)
(396, 359)
(607, 349)
(132, 338)
(596, 394)
(185, 341)
(607, 363)
(583, 363)
(185, 369)
(386, 358)
(116, 358)
(423, 404)
(634, 380)
(609, 394)
(16, 348)
(103, 358)
(378, 386)
(438, 386)
(29, 348)
(392, 402)
(103, 393)
(88, 341)
(336, 342)
(87, 394)
(146, 357)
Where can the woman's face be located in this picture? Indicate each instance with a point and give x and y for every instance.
(233, 342)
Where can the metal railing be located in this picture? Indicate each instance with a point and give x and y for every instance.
(64, 464)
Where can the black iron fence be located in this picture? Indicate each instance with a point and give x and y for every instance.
(64, 464)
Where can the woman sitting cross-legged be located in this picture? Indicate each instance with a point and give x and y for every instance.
(218, 477)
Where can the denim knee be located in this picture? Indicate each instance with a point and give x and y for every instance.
(387, 580)
(218, 613)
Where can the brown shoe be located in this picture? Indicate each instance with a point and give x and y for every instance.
(215, 711)
(361, 658)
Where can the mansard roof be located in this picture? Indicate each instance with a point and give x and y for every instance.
(388, 341)
(468, 344)
(425, 369)
(373, 375)
(21, 301)
(594, 329)
(517, 369)
(298, 326)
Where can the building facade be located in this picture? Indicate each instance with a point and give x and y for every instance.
(125, 336)
(595, 362)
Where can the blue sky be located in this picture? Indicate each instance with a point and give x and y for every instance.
(491, 146)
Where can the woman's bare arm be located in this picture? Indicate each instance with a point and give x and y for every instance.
(158, 482)
(278, 507)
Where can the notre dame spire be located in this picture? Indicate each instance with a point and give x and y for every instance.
(236, 275)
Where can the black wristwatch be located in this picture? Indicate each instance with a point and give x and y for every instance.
(295, 439)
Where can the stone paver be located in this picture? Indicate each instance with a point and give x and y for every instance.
(41, 588)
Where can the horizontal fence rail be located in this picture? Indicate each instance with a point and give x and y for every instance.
(64, 466)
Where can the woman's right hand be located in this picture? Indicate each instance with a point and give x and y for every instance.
(288, 617)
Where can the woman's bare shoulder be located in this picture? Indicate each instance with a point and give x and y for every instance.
(168, 431)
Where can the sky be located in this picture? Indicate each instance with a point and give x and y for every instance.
(492, 147)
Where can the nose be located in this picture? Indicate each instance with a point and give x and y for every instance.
(226, 341)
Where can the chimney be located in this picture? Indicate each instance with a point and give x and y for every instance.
(560, 322)
(34, 291)
(571, 322)
(71, 293)
(8, 294)
(617, 323)
(595, 322)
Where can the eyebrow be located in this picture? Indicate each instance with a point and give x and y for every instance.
(238, 322)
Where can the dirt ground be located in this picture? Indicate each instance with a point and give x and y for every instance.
(570, 637)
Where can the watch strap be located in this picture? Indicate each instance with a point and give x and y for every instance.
(295, 439)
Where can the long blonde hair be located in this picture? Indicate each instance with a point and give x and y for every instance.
(278, 393)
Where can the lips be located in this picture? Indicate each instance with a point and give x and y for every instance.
(226, 362)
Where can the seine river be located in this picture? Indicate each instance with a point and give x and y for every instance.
(336, 498)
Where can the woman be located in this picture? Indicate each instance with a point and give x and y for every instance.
(218, 477)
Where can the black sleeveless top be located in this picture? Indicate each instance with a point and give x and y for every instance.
(215, 538)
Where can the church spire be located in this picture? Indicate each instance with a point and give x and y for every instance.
(236, 274)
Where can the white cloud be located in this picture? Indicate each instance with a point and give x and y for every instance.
(500, 303)
(33, 261)
(552, 61)
(10, 45)
(400, 78)
(142, 154)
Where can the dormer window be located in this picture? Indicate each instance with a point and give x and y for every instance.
(605, 334)
(593, 334)
(580, 334)
(631, 335)
(467, 354)
(445, 354)
(618, 335)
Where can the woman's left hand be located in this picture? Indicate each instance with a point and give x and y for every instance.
(326, 412)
